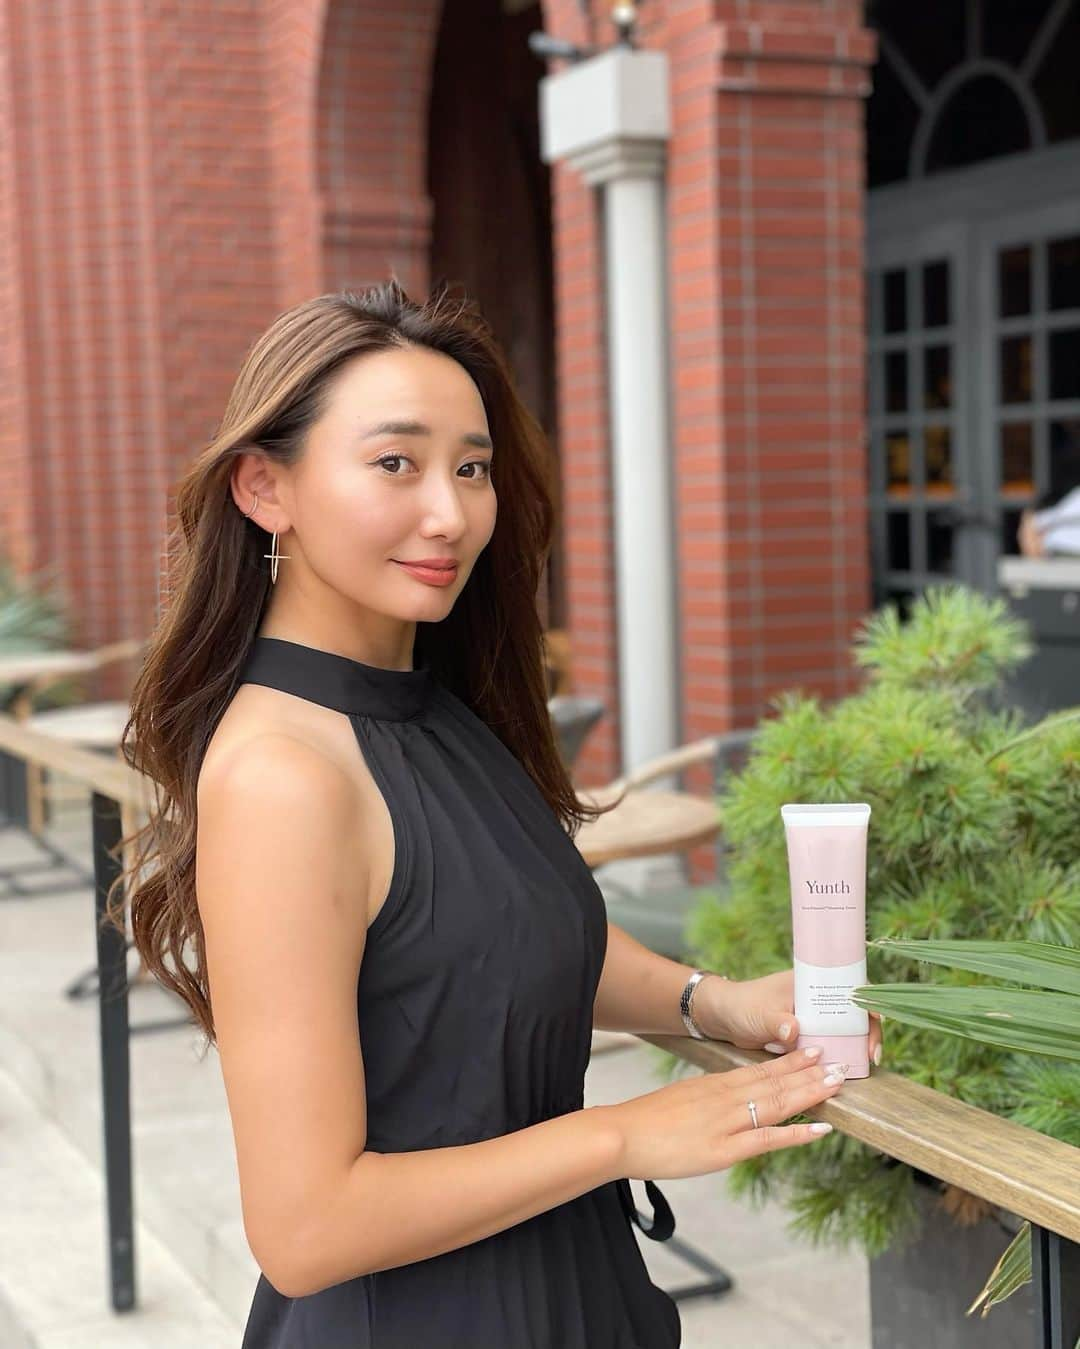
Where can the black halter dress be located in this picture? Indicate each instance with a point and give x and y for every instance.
(475, 1000)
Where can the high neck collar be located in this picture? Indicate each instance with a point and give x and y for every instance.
(337, 681)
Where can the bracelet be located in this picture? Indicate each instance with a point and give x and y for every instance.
(686, 1003)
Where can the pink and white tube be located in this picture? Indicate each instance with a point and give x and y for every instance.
(826, 847)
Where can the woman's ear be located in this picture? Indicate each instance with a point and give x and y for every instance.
(253, 476)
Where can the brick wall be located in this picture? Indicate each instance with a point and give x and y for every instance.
(141, 268)
(179, 174)
(765, 232)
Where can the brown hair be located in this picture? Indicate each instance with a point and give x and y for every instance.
(488, 650)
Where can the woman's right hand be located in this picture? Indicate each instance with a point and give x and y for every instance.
(702, 1124)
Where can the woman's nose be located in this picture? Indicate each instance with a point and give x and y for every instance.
(444, 508)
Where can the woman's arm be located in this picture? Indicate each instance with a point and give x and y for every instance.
(639, 990)
(395, 1207)
(282, 886)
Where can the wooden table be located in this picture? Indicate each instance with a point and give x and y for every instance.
(647, 822)
(35, 667)
(30, 671)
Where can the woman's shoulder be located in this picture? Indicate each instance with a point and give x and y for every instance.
(299, 769)
(282, 764)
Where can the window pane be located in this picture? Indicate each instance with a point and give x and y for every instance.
(1010, 525)
(1014, 282)
(935, 294)
(898, 463)
(1064, 458)
(1064, 268)
(1016, 369)
(981, 119)
(896, 301)
(899, 530)
(896, 387)
(937, 381)
(1017, 457)
(939, 545)
(904, 601)
(1065, 363)
(939, 474)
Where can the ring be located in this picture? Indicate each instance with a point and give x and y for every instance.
(751, 1106)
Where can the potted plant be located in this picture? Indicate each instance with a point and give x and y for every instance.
(1043, 1018)
(32, 618)
(973, 835)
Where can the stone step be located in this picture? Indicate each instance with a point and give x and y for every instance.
(49, 1050)
(53, 1266)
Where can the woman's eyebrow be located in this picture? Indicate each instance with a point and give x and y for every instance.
(411, 428)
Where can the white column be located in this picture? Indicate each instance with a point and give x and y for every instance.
(608, 117)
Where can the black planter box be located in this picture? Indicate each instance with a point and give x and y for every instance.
(919, 1294)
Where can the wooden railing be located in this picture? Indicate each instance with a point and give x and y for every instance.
(1014, 1167)
(118, 794)
(1019, 1169)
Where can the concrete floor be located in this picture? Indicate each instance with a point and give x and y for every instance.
(194, 1272)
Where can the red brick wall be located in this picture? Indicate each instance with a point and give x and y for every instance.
(16, 523)
(766, 212)
(582, 412)
(372, 142)
(179, 174)
(765, 227)
(142, 266)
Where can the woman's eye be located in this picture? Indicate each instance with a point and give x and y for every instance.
(479, 463)
(391, 458)
(401, 458)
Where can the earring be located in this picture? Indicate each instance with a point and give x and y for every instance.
(275, 557)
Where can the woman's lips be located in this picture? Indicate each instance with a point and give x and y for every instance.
(440, 576)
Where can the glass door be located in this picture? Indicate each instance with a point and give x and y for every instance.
(973, 364)
(1029, 267)
(924, 505)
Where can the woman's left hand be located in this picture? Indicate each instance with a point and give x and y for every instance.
(759, 1013)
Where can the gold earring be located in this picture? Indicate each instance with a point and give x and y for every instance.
(275, 557)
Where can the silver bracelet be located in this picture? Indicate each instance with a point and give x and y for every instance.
(686, 1003)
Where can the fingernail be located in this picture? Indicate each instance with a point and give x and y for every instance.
(840, 1068)
(877, 1056)
(813, 1052)
(834, 1078)
(785, 1030)
(821, 1128)
(775, 1048)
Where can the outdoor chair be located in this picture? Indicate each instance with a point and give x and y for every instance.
(658, 918)
(574, 717)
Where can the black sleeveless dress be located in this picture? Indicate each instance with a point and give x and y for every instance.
(475, 999)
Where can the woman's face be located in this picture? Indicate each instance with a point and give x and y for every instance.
(396, 470)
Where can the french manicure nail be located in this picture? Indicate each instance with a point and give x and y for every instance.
(877, 1056)
(775, 1048)
(813, 1052)
(821, 1128)
(785, 1030)
(834, 1078)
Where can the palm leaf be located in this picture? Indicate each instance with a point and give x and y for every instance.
(1011, 1272)
(1026, 1020)
(1023, 962)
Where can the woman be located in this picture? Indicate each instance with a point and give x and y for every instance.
(367, 842)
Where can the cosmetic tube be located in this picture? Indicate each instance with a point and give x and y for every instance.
(826, 847)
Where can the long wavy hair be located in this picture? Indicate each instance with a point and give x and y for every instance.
(488, 650)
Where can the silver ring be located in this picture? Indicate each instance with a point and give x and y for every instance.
(750, 1105)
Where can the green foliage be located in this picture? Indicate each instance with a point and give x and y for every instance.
(33, 617)
(972, 835)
